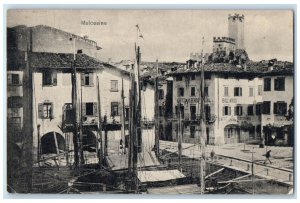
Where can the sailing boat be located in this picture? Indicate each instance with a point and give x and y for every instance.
(159, 174)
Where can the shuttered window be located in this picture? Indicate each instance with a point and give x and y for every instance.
(114, 108)
(207, 111)
(114, 86)
(279, 84)
(267, 84)
(14, 79)
(226, 93)
(266, 107)
(193, 91)
(180, 92)
(280, 108)
(89, 109)
(259, 90)
(258, 109)
(45, 110)
(87, 79)
(226, 111)
(238, 111)
(237, 91)
(250, 110)
(49, 78)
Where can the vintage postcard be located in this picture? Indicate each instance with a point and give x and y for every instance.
(150, 101)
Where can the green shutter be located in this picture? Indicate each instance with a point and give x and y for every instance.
(83, 110)
(54, 78)
(95, 109)
(9, 79)
(285, 108)
(40, 110)
(52, 111)
(91, 77)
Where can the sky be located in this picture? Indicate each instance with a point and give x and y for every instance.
(168, 35)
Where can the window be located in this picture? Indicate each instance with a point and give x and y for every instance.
(266, 107)
(160, 94)
(258, 109)
(89, 109)
(45, 110)
(259, 90)
(68, 113)
(251, 92)
(280, 108)
(181, 111)
(114, 108)
(226, 93)
(226, 111)
(207, 111)
(250, 110)
(87, 79)
(126, 113)
(179, 78)
(180, 92)
(49, 78)
(193, 91)
(237, 91)
(206, 91)
(267, 84)
(193, 112)
(279, 84)
(15, 79)
(193, 77)
(114, 86)
(14, 118)
(238, 111)
(192, 130)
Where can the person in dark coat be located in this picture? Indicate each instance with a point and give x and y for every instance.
(268, 156)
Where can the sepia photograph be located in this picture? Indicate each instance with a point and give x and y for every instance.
(141, 101)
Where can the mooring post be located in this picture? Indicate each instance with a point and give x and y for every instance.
(230, 162)
(267, 171)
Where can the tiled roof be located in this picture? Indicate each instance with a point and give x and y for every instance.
(16, 60)
(255, 68)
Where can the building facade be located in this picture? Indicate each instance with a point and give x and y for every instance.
(52, 101)
(49, 39)
(232, 103)
(278, 103)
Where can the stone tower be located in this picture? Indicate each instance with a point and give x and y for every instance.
(236, 29)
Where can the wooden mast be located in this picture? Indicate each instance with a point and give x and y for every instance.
(123, 116)
(179, 132)
(81, 156)
(203, 127)
(156, 97)
(100, 151)
(74, 106)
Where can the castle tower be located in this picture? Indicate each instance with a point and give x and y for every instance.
(236, 29)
